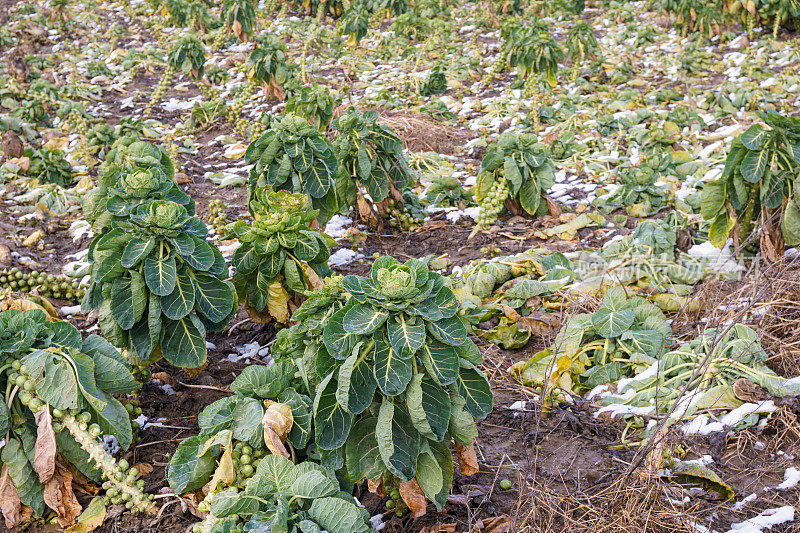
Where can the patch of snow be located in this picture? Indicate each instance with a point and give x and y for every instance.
(764, 520)
(790, 479)
(343, 256)
(738, 506)
(337, 226)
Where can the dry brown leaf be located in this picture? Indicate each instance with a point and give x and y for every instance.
(257, 316)
(467, 459)
(10, 505)
(495, 524)
(412, 494)
(5, 255)
(33, 302)
(375, 486)
(313, 277)
(181, 178)
(747, 391)
(145, 469)
(164, 378)
(192, 500)
(552, 206)
(365, 211)
(44, 453)
(277, 422)
(59, 496)
(540, 323)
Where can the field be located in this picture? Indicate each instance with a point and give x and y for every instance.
(432, 266)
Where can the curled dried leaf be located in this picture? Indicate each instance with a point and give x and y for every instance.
(44, 454)
(414, 498)
(467, 459)
(59, 496)
(277, 422)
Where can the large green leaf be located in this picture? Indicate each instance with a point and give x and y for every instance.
(475, 389)
(356, 384)
(180, 301)
(462, 424)
(214, 297)
(754, 164)
(610, 323)
(362, 457)
(128, 300)
(136, 250)
(440, 361)
(274, 475)
(429, 407)
(184, 343)
(790, 223)
(754, 137)
(332, 422)
(307, 247)
(202, 257)
(218, 416)
(336, 515)
(449, 330)
(317, 179)
(392, 372)
(245, 259)
(429, 474)
(54, 379)
(301, 413)
(313, 484)
(398, 441)
(26, 481)
(362, 319)
(406, 334)
(265, 382)
(338, 342)
(247, 422)
(160, 274)
(444, 458)
(188, 470)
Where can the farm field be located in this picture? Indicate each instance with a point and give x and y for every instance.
(411, 265)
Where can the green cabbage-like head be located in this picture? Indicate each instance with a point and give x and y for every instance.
(164, 214)
(138, 183)
(397, 281)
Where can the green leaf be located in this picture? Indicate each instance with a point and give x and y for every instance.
(449, 330)
(336, 515)
(392, 372)
(475, 389)
(160, 275)
(332, 422)
(54, 379)
(429, 474)
(217, 416)
(338, 342)
(317, 180)
(180, 301)
(274, 475)
(247, 422)
(362, 457)
(429, 407)
(406, 334)
(313, 484)
(136, 250)
(187, 469)
(361, 319)
(184, 343)
(610, 323)
(128, 300)
(440, 361)
(529, 196)
(754, 164)
(754, 137)
(214, 298)
(26, 481)
(444, 458)
(712, 201)
(307, 247)
(790, 223)
(398, 441)
(245, 259)
(202, 257)
(462, 424)
(720, 229)
(356, 385)
(301, 413)
(265, 382)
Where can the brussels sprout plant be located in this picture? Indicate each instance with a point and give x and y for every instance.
(516, 172)
(371, 161)
(293, 156)
(399, 381)
(187, 56)
(58, 401)
(314, 103)
(279, 255)
(159, 286)
(757, 183)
